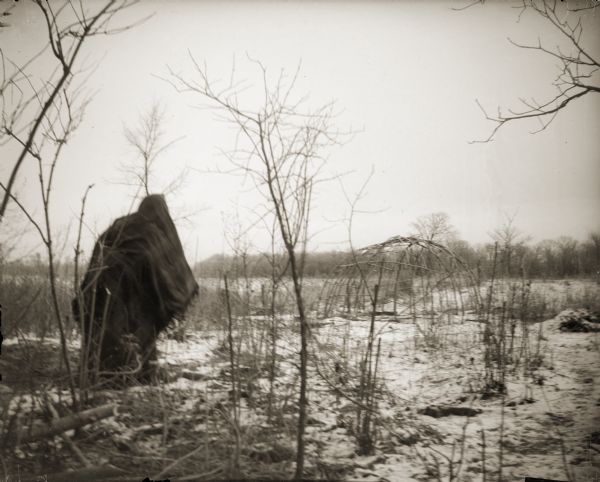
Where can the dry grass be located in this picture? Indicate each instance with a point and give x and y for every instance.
(162, 424)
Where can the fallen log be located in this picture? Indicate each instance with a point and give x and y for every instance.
(74, 448)
(40, 430)
(194, 376)
(445, 411)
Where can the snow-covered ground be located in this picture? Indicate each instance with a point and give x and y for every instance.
(547, 424)
(548, 421)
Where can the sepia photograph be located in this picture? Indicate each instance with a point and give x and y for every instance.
(300, 240)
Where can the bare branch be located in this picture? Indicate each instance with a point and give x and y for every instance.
(35, 224)
(576, 65)
(279, 146)
(147, 140)
(65, 43)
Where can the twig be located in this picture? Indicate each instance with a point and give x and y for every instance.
(171, 466)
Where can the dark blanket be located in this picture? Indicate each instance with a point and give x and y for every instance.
(137, 281)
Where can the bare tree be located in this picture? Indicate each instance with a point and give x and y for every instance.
(548, 254)
(58, 133)
(148, 141)
(28, 110)
(567, 255)
(576, 60)
(595, 242)
(279, 146)
(509, 240)
(434, 227)
(41, 119)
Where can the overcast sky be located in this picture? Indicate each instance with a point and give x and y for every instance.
(405, 77)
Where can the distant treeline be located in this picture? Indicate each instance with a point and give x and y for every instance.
(558, 258)
(316, 264)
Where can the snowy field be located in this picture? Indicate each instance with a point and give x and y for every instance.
(546, 424)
